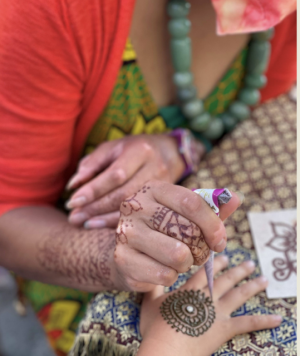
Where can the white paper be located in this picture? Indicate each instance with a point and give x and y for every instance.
(275, 238)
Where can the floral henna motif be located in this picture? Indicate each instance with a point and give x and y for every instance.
(174, 225)
(128, 206)
(120, 232)
(285, 241)
(82, 256)
(131, 204)
(189, 312)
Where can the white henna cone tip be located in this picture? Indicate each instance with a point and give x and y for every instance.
(214, 198)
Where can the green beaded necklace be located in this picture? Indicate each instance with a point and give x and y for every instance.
(199, 120)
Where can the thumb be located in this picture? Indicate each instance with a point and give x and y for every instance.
(227, 209)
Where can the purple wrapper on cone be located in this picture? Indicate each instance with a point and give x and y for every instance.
(214, 198)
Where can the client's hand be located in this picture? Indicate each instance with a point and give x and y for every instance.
(115, 170)
(196, 317)
(163, 230)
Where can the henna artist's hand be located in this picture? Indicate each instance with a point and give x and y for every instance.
(115, 170)
(163, 230)
(210, 331)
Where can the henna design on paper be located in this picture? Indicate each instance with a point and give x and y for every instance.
(82, 256)
(189, 312)
(285, 241)
(174, 225)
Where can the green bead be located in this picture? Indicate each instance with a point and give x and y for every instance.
(258, 57)
(215, 129)
(263, 35)
(178, 9)
(181, 54)
(183, 79)
(186, 94)
(249, 96)
(255, 81)
(239, 110)
(229, 121)
(192, 108)
(201, 122)
(179, 28)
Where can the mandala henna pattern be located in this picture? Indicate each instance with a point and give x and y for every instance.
(171, 223)
(189, 312)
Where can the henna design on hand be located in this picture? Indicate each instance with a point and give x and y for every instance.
(128, 206)
(120, 232)
(174, 225)
(81, 256)
(189, 312)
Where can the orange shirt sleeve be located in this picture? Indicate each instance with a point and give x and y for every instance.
(282, 69)
(41, 85)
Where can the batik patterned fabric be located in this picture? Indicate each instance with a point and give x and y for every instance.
(259, 159)
(130, 111)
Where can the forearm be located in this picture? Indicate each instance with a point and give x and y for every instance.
(38, 243)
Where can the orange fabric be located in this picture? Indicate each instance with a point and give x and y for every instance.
(58, 63)
(282, 69)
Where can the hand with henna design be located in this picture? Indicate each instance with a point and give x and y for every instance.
(186, 321)
(163, 230)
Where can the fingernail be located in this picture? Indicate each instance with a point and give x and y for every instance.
(277, 318)
(72, 182)
(94, 224)
(78, 218)
(263, 279)
(250, 264)
(220, 246)
(241, 197)
(76, 203)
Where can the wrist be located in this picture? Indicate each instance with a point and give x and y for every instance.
(189, 149)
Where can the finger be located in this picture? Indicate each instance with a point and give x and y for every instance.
(199, 280)
(248, 323)
(111, 201)
(227, 209)
(172, 224)
(93, 163)
(106, 220)
(236, 297)
(165, 250)
(121, 170)
(140, 268)
(194, 208)
(232, 277)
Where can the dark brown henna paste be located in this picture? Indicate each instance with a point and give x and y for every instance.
(82, 256)
(172, 224)
(189, 312)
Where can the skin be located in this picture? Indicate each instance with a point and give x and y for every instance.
(140, 254)
(160, 339)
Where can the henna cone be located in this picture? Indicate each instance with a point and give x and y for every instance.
(214, 198)
(209, 270)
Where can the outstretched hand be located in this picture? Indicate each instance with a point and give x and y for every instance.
(196, 316)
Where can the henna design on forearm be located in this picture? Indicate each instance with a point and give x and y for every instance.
(82, 256)
(174, 225)
(189, 312)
